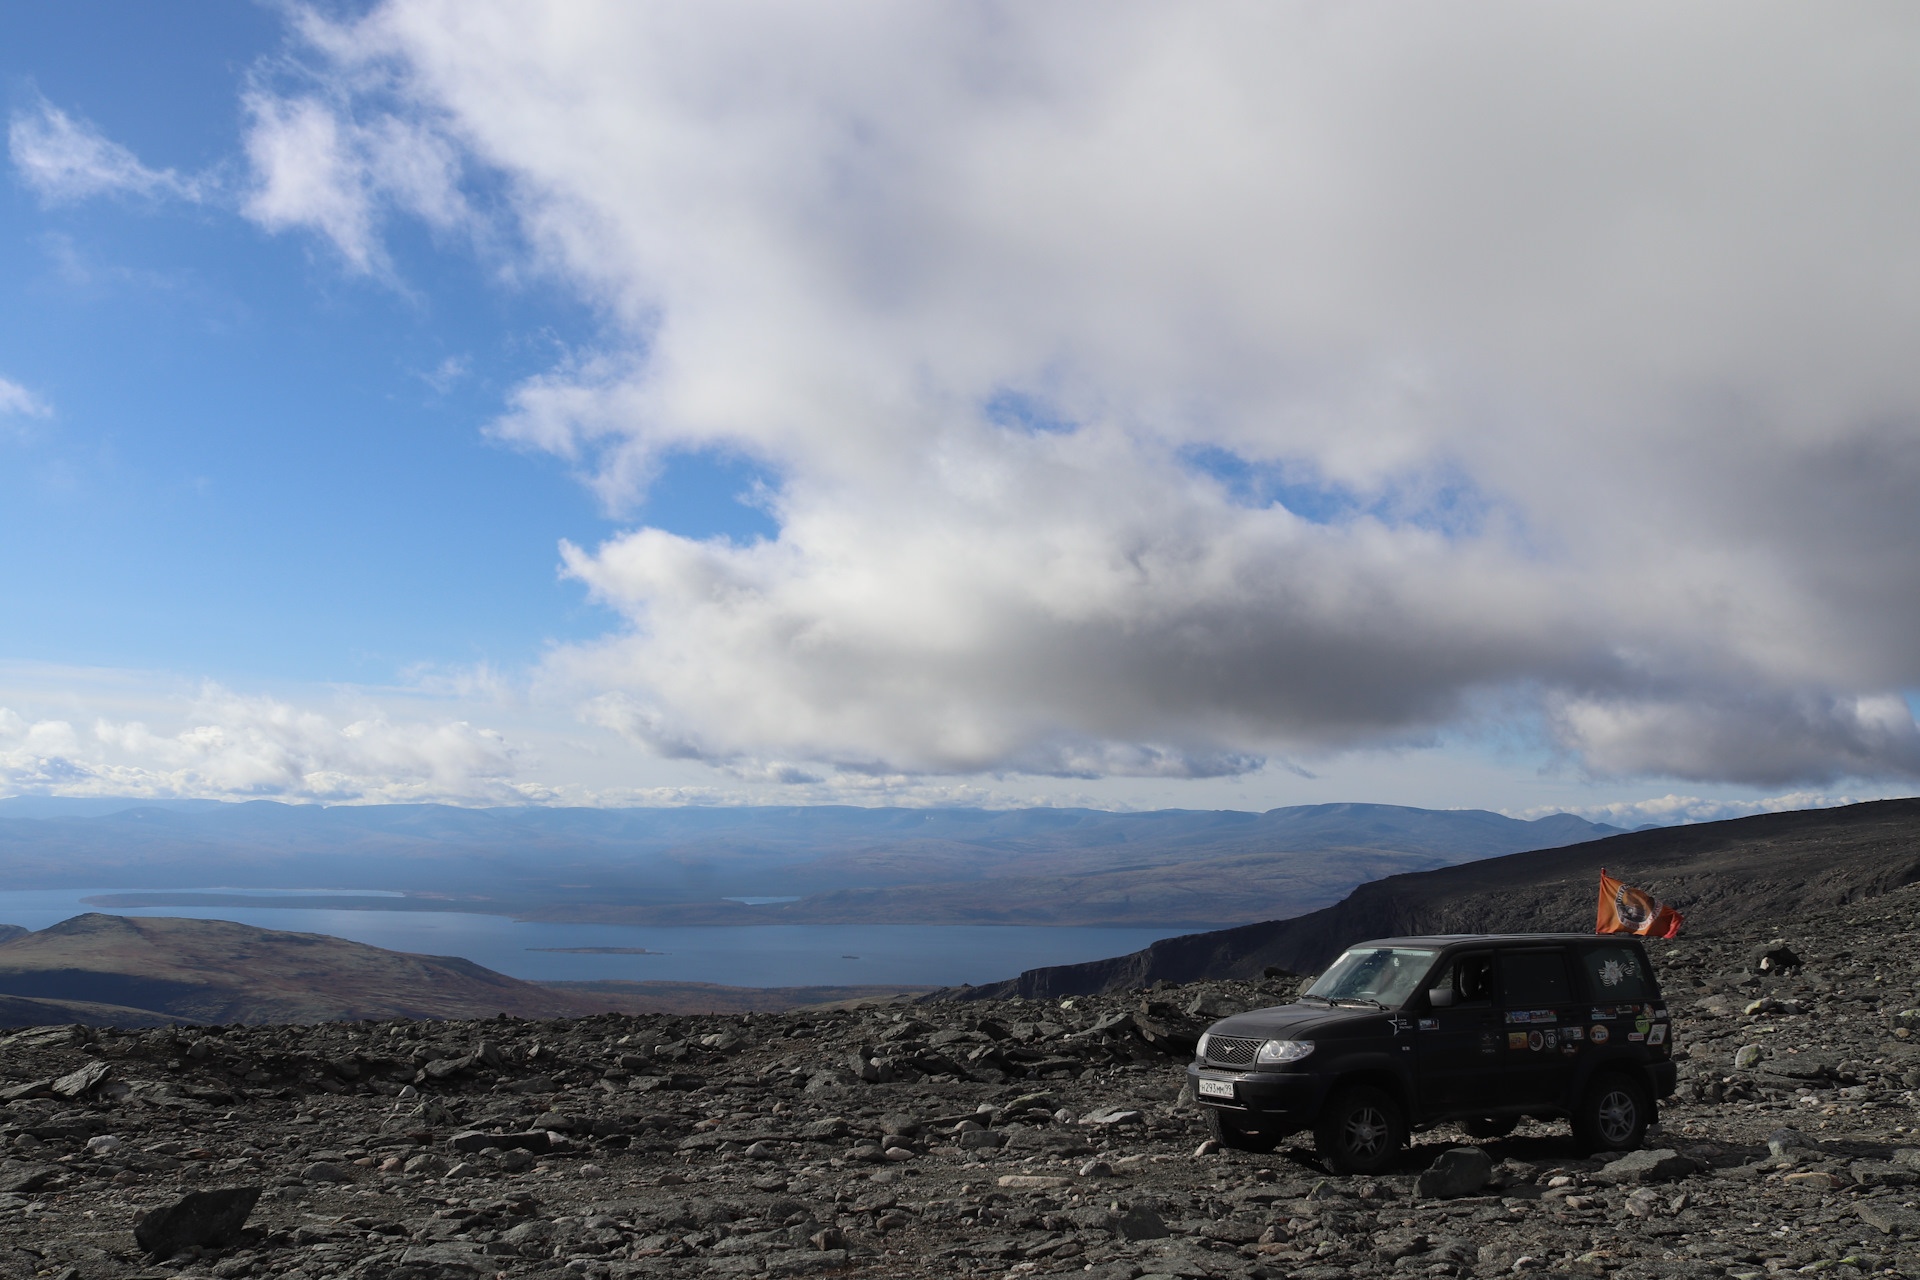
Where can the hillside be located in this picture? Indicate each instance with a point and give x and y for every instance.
(1758, 870)
(1183, 868)
(211, 971)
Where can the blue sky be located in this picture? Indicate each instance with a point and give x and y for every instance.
(256, 465)
(886, 411)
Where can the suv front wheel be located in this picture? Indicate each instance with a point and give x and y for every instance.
(1360, 1130)
(1613, 1113)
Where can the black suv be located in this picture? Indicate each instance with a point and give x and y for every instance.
(1403, 1033)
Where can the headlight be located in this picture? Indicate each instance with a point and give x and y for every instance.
(1200, 1050)
(1283, 1051)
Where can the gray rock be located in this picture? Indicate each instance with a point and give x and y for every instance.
(1663, 1164)
(325, 1171)
(472, 1140)
(1890, 1218)
(1461, 1171)
(982, 1140)
(199, 1219)
(77, 1084)
(1748, 1057)
(1781, 1141)
(1140, 1224)
(1881, 1173)
(454, 1258)
(427, 1163)
(18, 1177)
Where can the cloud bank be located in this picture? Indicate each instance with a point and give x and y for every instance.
(1159, 390)
(229, 746)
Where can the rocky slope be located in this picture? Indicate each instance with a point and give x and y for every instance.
(1011, 1137)
(1719, 874)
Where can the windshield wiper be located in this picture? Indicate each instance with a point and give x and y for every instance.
(1360, 1000)
(1321, 999)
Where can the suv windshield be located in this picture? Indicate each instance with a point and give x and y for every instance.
(1384, 974)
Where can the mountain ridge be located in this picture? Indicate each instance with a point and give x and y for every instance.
(1172, 867)
(1721, 874)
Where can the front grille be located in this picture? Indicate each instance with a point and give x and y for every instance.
(1231, 1051)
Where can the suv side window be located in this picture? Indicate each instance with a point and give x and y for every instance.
(1470, 978)
(1616, 972)
(1534, 978)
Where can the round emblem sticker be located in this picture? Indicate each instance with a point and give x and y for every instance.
(1598, 1035)
(1536, 1041)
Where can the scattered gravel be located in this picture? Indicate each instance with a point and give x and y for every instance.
(955, 1138)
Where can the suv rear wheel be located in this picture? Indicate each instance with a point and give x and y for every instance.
(1613, 1113)
(1360, 1130)
(1230, 1132)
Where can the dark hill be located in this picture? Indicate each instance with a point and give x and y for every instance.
(1759, 870)
(160, 970)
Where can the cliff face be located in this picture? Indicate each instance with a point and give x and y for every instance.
(1757, 870)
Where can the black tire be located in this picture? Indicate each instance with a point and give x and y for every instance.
(1491, 1126)
(1228, 1131)
(1613, 1113)
(1360, 1130)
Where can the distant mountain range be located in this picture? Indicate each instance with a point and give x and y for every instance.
(841, 865)
(1770, 869)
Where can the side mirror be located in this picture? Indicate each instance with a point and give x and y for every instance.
(1440, 997)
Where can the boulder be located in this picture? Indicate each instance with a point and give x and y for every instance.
(1775, 957)
(1140, 1224)
(78, 1084)
(1460, 1171)
(1663, 1164)
(203, 1219)
(1893, 1219)
(18, 1177)
(471, 1140)
(1781, 1141)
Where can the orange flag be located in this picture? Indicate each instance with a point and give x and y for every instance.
(1624, 909)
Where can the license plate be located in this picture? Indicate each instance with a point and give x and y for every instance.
(1216, 1088)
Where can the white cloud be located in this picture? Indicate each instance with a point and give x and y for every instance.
(65, 159)
(16, 399)
(1574, 345)
(1676, 810)
(318, 169)
(226, 745)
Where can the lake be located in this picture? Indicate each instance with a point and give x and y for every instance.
(748, 956)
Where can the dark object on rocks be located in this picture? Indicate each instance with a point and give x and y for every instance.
(1773, 959)
(1141, 1224)
(1663, 1164)
(200, 1218)
(1461, 1171)
(472, 1140)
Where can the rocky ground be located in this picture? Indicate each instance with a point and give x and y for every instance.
(951, 1138)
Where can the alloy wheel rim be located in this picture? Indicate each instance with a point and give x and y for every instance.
(1617, 1116)
(1366, 1131)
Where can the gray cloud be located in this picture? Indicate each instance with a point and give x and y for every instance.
(1575, 343)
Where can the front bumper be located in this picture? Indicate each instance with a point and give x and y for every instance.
(1266, 1099)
